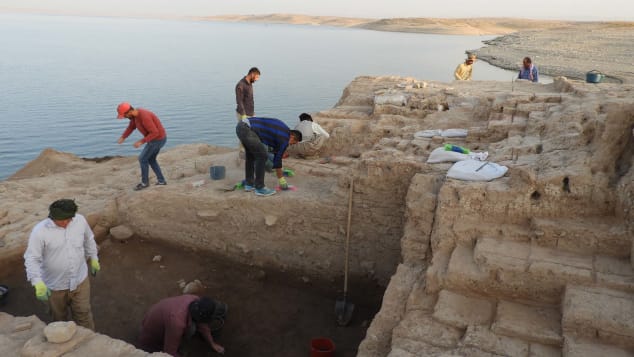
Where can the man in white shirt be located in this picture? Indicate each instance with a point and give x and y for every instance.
(313, 137)
(55, 261)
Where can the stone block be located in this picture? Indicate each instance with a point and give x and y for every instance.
(547, 264)
(461, 311)
(419, 299)
(418, 326)
(602, 236)
(194, 287)
(614, 273)
(37, 346)
(592, 311)
(560, 273)
(531, 323)
(463, 272)
(60, 331)
(121, 232)
(505, 255)
(579, 347)
(482, 338)
(521, 286)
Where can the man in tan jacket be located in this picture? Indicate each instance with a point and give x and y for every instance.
(465, 70)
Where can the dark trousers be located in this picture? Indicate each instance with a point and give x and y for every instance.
(255, 155)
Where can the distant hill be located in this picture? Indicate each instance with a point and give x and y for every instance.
(473, 26)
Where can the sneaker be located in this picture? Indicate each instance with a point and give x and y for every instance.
(248, 188)
(264, 191)
(140, 186)
(161, 183)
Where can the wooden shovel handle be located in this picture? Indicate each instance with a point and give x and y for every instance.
(345, 273)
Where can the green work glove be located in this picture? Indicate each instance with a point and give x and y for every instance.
(283, 183)
(288, 172)
(42, 292)
(94, 266)
(243, 116)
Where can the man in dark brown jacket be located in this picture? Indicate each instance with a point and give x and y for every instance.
(244, 94)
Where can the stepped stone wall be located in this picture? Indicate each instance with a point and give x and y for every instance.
(536, 263)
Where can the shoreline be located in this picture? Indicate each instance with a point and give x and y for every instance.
(556, 46)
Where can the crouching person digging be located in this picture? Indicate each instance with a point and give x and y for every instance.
(172, 322)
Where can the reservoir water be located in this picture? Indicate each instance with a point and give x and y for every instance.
(62, 77)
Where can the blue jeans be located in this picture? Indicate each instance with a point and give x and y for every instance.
(255, 155)
(148, 158)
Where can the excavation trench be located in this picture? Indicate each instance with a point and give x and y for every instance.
(280, 270)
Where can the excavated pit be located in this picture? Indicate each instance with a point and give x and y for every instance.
(271, 313)
(533, 251)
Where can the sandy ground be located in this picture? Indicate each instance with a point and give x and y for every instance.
(270, 313)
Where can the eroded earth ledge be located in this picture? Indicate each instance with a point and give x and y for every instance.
(536, 263)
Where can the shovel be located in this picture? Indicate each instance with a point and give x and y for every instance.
(344, 308)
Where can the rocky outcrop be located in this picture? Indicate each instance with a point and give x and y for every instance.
(30, 337)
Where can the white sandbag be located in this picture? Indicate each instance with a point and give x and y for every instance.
(480, 156)
(455, 133)
(447, 133)
(474, 170)
(442, 155)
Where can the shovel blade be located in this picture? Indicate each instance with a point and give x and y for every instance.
(343, 310)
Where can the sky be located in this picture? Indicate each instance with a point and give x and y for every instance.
(583, 10)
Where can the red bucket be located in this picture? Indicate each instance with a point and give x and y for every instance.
(322, 347)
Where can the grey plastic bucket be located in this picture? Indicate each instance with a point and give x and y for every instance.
(217, 172)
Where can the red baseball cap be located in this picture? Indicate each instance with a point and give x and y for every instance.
(122, 109)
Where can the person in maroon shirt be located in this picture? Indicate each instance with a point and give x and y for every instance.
(168, 321)
(154, 138)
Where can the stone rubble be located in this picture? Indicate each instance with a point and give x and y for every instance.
(58, 339)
